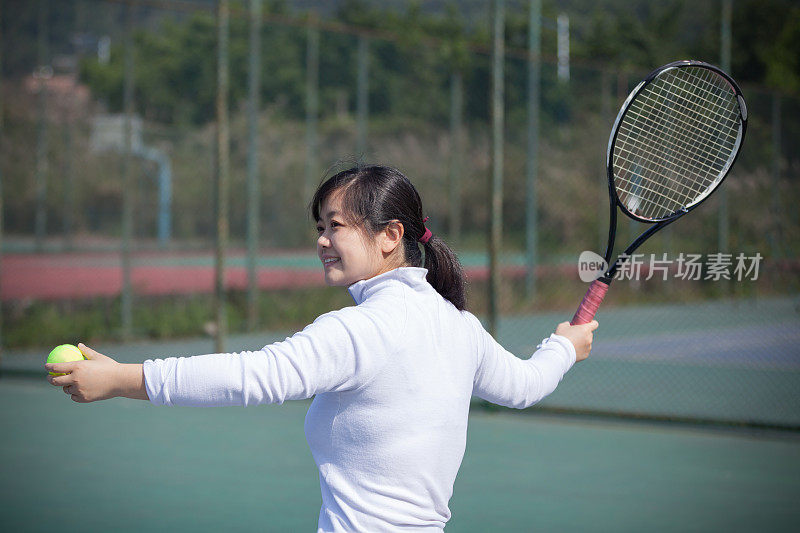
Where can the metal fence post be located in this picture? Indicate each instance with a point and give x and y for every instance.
(253, 188)
(496, 229)
(725, 59)
(456, 153)
(127, 186)
(1, 181)
(605, 114)
(777, 248)
(312, 106)
(363, 96)
(42, 75)
(532, 167)
(221, 175)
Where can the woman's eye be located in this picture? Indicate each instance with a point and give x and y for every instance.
(333, 224)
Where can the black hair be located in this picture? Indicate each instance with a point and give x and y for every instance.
(373, 196)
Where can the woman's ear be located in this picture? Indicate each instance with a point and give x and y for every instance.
(391, 236)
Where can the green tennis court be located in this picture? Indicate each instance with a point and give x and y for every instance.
(125, 465)
(725, 361)
(730, 361)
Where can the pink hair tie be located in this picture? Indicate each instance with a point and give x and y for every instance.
(427, 235)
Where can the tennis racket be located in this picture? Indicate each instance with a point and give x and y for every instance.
(675, 139)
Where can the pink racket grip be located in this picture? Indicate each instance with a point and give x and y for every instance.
(590, 303)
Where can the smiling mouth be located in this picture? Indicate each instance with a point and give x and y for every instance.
(330, 261)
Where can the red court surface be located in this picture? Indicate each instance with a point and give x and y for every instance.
(83, 276)
(61, 276)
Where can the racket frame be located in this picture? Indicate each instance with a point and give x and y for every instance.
(658, 223)
(597, 289)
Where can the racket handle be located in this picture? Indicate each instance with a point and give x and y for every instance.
(591, 301)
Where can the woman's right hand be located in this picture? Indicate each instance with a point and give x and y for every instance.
(580, 336)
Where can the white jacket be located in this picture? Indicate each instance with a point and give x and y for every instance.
(393, 377)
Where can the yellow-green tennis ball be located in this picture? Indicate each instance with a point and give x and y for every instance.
(66, 353)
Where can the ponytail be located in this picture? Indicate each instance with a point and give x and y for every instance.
(445, 273)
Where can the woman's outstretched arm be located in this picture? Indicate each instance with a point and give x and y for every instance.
(339, 351)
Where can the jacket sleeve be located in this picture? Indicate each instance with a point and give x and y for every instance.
(339, 351)
(507, 380)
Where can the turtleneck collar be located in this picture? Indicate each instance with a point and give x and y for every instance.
(414, 277)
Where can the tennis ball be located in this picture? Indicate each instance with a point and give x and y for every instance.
(65, 353)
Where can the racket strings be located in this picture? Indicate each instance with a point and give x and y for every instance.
(686, 191)
(718, 113)
(687, 137)
(688, 146)
(663, 161)
(714, 122)
(675, 141)
(685, 160)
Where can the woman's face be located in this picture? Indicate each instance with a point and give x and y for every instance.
(348, 255)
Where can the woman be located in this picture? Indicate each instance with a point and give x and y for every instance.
(391, 376)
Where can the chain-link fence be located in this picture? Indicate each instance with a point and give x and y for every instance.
(309, 91)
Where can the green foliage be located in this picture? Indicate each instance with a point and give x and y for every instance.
(47, 323)
(175, 72)
(636, 38)
(782, 57)
(414, 51)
